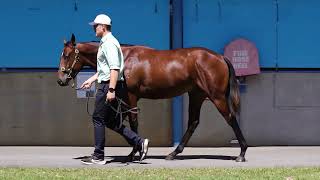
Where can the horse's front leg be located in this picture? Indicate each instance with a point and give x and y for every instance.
(133, 121)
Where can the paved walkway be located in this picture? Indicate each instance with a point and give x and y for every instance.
(13, 156)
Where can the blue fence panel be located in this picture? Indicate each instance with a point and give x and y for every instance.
(215, 23)
(143, 22)
(299, 34)
(32, 31)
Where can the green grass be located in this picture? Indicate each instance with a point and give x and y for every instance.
(139, 173)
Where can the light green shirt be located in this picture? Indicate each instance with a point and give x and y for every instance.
(109, 57)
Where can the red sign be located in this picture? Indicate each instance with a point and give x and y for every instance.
(244, 57)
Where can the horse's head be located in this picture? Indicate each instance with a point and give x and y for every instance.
(70, 62)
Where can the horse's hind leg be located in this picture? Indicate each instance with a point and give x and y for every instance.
(222, 106)
(196, 98)
(243, 145)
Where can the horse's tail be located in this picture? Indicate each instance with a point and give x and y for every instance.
(233, 94)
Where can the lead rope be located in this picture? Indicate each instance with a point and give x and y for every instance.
(88, 97)
(122, 108)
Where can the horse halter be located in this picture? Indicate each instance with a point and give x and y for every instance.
(70, 70)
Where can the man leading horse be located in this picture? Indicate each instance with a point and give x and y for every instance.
(110, 66)
(163, 74)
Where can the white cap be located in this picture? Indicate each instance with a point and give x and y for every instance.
(101, 19)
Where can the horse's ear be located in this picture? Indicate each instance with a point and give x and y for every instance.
(64, 42)
(73, 39)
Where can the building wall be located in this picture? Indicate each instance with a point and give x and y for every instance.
(36, 111)
(281, 108)
(277, 108)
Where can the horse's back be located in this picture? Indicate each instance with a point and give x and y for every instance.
(149, 71)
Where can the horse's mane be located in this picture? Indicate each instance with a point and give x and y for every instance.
(96, 43)
(124, 45)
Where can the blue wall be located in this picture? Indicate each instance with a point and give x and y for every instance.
(285, 32)
(299, 34)
(215, 23)
(32, 31)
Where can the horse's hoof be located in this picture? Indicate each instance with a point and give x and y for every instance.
(240, 159)
(170, 157)
(130, 158)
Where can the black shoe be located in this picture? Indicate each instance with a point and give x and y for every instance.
(144, 149)
(93, 160)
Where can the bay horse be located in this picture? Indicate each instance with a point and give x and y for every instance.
(161, 74)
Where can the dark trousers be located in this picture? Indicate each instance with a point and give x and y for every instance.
(104, 116)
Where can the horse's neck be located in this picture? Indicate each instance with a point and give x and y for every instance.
(91, 60)
(90, 50)
(88, 47)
